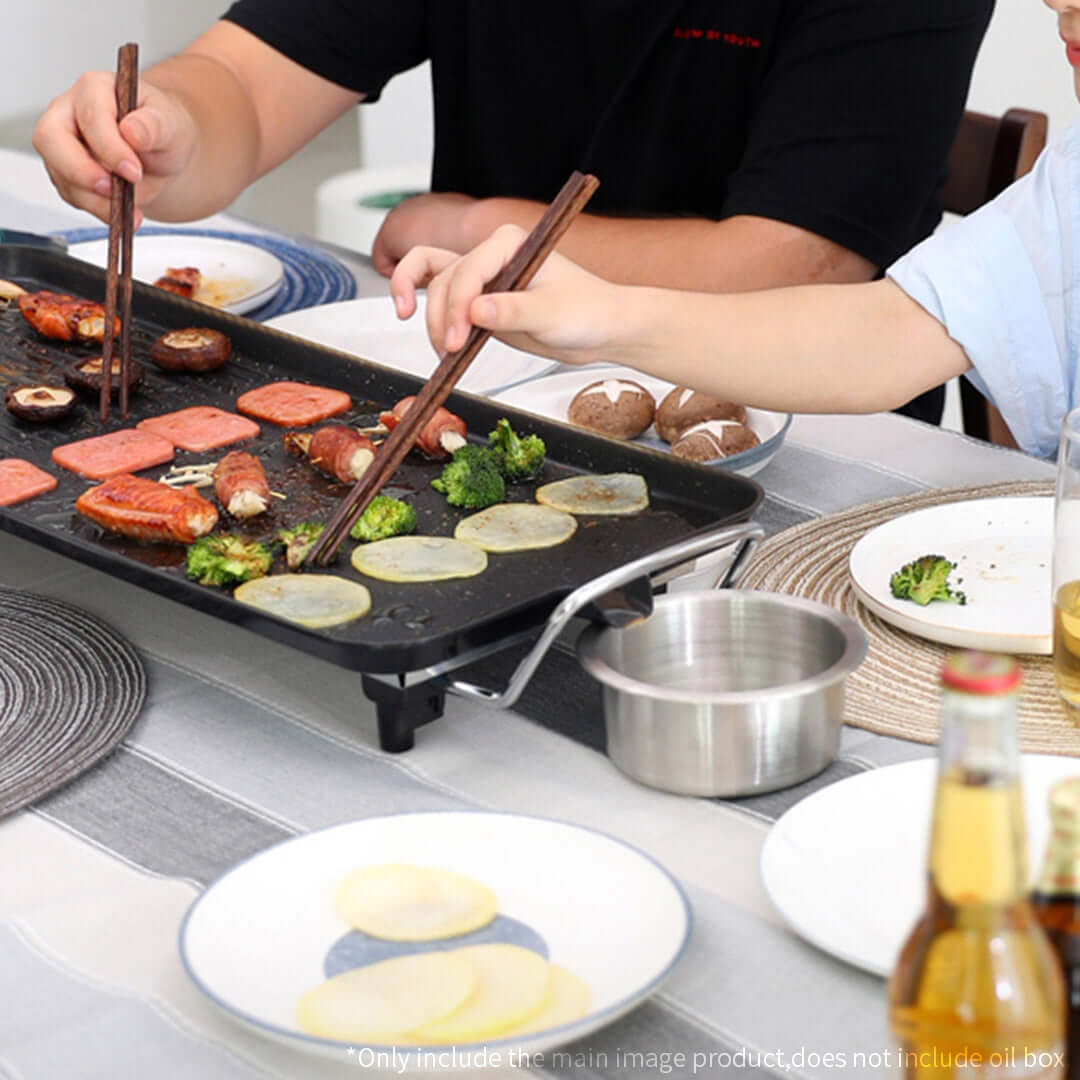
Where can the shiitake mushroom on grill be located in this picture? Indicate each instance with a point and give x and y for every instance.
(40, 403)
(194, 349)
(85, 376)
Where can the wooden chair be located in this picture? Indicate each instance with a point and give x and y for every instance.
(988, 154)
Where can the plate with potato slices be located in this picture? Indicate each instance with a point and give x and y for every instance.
(448, 940)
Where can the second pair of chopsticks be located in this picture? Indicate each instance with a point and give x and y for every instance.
(121, 233)
(517, 273)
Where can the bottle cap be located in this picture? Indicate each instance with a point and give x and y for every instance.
(989, 674)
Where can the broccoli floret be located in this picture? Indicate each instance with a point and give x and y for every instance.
(226, 560)
(471, 478)
(519, 458)
(382, 517)
(925, 579)
(298, 540)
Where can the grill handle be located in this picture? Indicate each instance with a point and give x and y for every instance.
(748, 533)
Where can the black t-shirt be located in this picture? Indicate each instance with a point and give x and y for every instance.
(832, 115)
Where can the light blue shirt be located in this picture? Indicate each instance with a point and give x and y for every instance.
(1003, 282)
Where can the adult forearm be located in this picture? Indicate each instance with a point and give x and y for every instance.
(738, 254)
(226, 137)
(817, 348)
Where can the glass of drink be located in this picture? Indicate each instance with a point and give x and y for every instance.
(1066, 574)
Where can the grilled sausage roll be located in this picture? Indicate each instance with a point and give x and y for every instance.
(440, 436)
(240, 485)
(336, 449)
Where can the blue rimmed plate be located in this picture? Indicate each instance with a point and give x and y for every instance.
(264, 933)
(550, 396)
(263, 275)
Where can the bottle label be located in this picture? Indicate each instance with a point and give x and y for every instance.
(1060, 873)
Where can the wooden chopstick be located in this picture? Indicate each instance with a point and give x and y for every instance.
(517, 273)
(121, 231)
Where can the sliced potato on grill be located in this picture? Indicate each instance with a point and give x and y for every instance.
(381, 1002)
(419, 558)
(516, 527)
(511, 985)
(614, 493)
(313, 600)
(400, 902)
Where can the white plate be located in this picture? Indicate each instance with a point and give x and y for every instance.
(256, 940)
(551, 395)
(369, 328)
(846, 867)
(1002, 550)
(237, 277)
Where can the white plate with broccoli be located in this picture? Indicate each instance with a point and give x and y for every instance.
(1001, 549)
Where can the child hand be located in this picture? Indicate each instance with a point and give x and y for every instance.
(566, 313)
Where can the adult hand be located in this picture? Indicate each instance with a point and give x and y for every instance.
(436, 219)
(81, 143)
(566, 312)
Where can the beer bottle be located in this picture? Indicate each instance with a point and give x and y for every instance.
(977, 990)
(1057, 904)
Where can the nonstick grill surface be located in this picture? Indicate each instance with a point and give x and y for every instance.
(410, 626)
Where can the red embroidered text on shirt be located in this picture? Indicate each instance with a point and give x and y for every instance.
(742, 41)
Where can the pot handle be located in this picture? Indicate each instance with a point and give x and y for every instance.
(748, 532)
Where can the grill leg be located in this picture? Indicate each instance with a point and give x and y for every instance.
(402, 709)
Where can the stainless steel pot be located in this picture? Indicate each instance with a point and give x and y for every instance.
(716, 692)
(724, 693)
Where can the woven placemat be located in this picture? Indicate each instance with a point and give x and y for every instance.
(70, 689)
(896, 691)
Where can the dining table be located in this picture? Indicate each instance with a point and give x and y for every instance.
(244, 742)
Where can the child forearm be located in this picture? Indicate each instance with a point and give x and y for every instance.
(815, 348)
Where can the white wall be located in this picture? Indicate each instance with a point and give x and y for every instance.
(1022, 63)
(398, 129)
(49, 43)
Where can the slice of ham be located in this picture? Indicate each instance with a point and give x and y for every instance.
(127, 451)
(20, 480)
(146, 510)
(240, 485)
(293, 404)
(201, 427)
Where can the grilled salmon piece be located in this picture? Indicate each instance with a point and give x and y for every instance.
(146, 510)
(64, 317)
(182, 280)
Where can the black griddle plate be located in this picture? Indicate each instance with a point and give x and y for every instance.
(410, 626)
